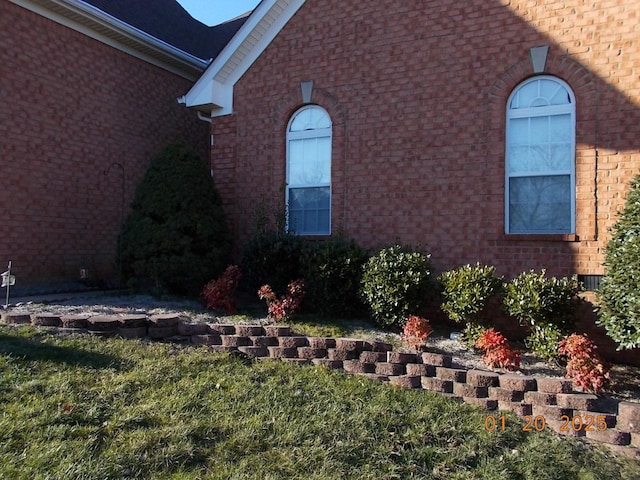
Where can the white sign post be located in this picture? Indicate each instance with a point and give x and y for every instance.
(7, 281)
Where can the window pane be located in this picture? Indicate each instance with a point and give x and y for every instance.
(540, 93)
(310, 119)
(540, 204)
(310, 161)
(309, 211)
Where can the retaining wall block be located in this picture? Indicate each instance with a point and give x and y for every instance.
(486, 403)
(436, 384)
(505, 394)
(103, 323)
(356, 366)
(436, 359)
(481, 378)
(235, 341)
(310, 352)
(578, 401)
(45, 320)
(74, 321)
(420, 369)
(132, 321)
(292, 342)
(277, 330)
(340, 354)
(454, 374)
(192, 328)
(296, 361)
(594, 418)
(326, 363)
(283, 352)
(132, 332)
(610, 436)
(264, 341)
(554, 385)
(165, 320)
(16, 318)
(373, 357)
(565, 428)
(518, 382)
(540, 398)
(377, 346)
(629, 417)
(222, 328)
(519, 408)
(406, 381)
(401, 357)
(389, 369)
(249, 330)
(466, 390)
(376, 377)
(254, 352)
(350, 344)
(319, 342)
(551, 412)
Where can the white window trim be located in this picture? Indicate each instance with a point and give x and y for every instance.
(314, 133)
(542, 112)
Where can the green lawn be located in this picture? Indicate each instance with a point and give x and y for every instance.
(89, 408)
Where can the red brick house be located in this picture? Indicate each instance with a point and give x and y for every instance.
(89, 94)
(503, 132)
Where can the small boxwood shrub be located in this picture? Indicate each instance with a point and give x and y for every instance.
(333, 273)
(176, 236)
(548, 306)
(395, 284)
(466, 292)
(619, 295)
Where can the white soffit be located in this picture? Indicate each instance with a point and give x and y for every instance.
(101, 26)
(213, 92)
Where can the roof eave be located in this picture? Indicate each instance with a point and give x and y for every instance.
(215, 87)
(101, 26)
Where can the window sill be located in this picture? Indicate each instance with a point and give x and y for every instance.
(541, 237)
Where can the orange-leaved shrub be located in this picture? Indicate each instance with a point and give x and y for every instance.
(584, 365)
(416, 331)
(497, 352)
(285, 306)
(221, 292)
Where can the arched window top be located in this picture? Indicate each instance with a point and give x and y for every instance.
(541, 92)
(310, 118)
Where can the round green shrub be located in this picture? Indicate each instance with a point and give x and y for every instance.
(273, 258)
(548, 306)
(619, 295)
(395, 283)
(176, 236)
(466, 292)
(333, 272)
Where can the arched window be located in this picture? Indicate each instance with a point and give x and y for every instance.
(309, 172)
(540, 158)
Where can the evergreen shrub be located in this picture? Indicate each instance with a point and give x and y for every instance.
(176, 235)
(395, 284)
(333, 272)
(619, 295)
(548, 306)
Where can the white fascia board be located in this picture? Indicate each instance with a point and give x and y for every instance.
(216, 83)
(105, 28)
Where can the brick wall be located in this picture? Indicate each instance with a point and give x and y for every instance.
(71, 108)
(417, 94)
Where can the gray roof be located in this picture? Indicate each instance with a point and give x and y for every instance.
(168, 21)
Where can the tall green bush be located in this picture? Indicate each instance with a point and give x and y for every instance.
(395, 283)
(333, 273)
(619, 295)
(466, 292)
(176, 235)
(548, 306)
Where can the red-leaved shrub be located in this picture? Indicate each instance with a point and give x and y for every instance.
(285, 306)
(584, 364)
(221, 292)
(497, 352)
(416, 331)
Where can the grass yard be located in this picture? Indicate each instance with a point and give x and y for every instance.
(90, 408)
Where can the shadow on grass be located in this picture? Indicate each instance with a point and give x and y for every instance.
(31, 349)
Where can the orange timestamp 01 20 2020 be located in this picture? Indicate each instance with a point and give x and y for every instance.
(539, 423)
